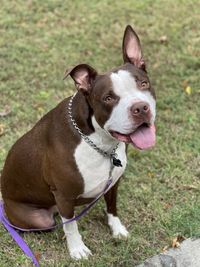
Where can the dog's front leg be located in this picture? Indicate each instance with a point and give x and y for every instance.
(76, 247)
(117, 228)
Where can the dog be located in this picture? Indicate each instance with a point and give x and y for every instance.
(66, 159)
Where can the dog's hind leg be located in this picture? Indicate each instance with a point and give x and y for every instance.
(27, 216)
(117, 228)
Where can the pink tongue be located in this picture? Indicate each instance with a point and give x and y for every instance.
(144, 137)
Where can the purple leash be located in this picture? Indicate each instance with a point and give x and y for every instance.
(20, 241)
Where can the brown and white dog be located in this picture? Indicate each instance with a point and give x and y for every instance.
(52, 165)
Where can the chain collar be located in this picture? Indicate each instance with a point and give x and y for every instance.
(113, 155)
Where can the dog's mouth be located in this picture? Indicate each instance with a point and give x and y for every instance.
(143, 137)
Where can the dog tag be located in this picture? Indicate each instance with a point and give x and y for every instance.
(117, 162)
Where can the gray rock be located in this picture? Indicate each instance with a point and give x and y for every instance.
(152, 262)
(187, 255)
(167, 261)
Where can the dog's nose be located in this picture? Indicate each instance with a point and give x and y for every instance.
(140, 108)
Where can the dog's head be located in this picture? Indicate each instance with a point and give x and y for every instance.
(122, 100)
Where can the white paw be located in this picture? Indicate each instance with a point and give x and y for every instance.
(76, 247)
(80, 251)
(117, 228)
(121, 232)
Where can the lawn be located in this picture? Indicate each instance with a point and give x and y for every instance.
(159, 195)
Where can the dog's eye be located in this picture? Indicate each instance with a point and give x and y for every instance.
(144, 85)
(108, 98)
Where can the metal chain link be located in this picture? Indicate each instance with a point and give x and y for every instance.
(111, 155)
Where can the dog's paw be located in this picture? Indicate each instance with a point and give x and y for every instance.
(117, 228)
(120, 232)
(80, 251)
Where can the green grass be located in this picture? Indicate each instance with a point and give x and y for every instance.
(159, 197)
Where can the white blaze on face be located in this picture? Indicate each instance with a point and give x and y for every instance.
(125, 87)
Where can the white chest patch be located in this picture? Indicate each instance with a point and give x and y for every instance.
(95, 168)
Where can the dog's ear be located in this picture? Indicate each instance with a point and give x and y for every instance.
(131, 48)
(83, 76)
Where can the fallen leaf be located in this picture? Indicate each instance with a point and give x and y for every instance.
(40, 110)
(167, 206)
(165, 248)
(177, 240)
(6, 111)
(150, 174)
(163, 39)
(190, 187)
(2, 129)
(88, 53)
(188, 90)
(175, 243)
(37, 255)
(156, 65)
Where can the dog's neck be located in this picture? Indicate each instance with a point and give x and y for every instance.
(85, 119)
(102, 138)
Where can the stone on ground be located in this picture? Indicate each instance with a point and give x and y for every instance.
(187, 255)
